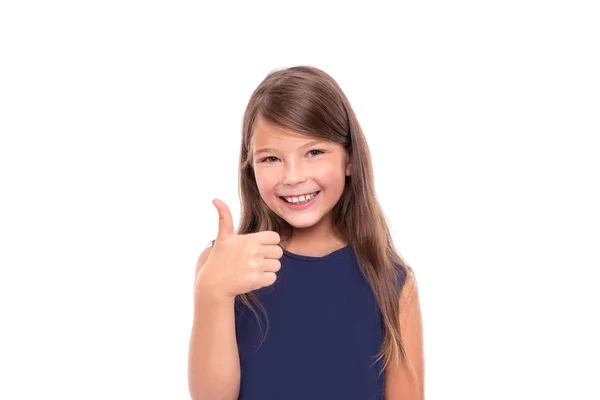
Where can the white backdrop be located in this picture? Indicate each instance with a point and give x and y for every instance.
(120, 122)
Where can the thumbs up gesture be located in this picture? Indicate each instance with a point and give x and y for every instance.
(239, 264)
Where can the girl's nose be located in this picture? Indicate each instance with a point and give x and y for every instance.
(293, 175)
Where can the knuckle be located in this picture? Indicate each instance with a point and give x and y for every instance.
(253, 263)
(251, 250)
(253, 277)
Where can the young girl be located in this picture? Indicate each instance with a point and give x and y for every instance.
(314, 254)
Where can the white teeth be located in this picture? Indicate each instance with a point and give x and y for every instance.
(300, 199)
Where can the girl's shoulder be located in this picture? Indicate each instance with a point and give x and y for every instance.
(406, 279)
(402, 273)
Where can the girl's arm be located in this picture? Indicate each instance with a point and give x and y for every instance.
(213, 363)
(399, 382)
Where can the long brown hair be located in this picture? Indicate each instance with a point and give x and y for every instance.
(307, 100)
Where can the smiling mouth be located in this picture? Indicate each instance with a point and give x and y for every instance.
(300, 199)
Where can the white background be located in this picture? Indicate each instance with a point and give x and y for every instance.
(120, 122)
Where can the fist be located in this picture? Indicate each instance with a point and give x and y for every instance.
(239, 264)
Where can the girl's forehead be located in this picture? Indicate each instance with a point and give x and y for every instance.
(266, 133)
(281, 138)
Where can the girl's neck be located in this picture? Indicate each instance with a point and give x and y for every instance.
(313, 244)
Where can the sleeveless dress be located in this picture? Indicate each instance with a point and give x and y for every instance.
(325, 331)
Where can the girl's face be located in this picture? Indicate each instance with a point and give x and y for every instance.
(288, 164)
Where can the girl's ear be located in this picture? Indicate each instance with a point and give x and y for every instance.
(348, 166)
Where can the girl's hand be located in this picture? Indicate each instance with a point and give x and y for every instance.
(238, 264)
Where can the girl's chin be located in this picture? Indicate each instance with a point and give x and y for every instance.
(301, 223)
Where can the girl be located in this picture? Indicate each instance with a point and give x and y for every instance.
(314, 254)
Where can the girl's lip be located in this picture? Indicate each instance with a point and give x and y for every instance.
(301, 206)
(298, 195)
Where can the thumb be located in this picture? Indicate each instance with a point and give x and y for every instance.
(225, 219)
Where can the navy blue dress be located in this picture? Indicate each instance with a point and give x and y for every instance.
(325, 331)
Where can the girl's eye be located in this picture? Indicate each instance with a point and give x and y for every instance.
(266, 159)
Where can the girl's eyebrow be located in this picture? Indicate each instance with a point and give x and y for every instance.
(271, 150)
